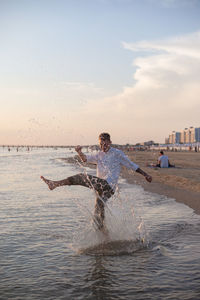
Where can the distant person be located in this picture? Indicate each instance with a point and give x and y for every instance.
(163, 161)
(109, 161)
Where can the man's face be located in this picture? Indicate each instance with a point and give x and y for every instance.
(104, 144)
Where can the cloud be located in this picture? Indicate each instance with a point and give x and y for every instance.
(164, 95)
(187, 45)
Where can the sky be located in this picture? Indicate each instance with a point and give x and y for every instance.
(71, 69)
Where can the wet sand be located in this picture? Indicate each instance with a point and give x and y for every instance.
(181, 183)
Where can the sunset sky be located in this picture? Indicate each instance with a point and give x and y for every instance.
(70, 69)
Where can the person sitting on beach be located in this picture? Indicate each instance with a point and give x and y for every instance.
(108, 161)
(163, 161)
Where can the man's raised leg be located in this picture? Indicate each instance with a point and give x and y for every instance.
(54, 184)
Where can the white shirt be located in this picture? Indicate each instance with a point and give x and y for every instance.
(109, 164)
(163, 159)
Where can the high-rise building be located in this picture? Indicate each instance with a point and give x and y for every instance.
(197, 134)
(182, 137)
(174, 137)
(170, 139)
(177, 137)
(166, 140)
(186, 136)
(190, 135)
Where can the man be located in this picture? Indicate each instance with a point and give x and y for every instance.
(108, 161)
(163, 161)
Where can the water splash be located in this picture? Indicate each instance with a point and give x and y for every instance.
(126, 230)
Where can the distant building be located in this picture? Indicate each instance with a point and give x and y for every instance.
(170, 139)
(197, 134)
(190, 135)
(182, 137)
(178, 137)
(149, 143)
(166, 140)
(186, 136)
(174, 137)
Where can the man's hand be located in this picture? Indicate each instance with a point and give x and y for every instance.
(148, 178)
(78, 149)
(80, 153)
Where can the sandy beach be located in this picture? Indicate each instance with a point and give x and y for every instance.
(181, 183)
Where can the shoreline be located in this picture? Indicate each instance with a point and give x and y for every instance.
(181, 183)
(189, 198)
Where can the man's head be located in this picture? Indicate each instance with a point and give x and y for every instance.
(104, 141)
(161, 153)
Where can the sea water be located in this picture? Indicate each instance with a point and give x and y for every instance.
(50, 249)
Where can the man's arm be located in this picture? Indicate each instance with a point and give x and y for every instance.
(147, 176)
(131, 165)
(80, 153)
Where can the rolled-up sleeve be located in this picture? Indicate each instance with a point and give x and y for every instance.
(92, 158)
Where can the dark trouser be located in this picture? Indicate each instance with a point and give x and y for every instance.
(102, 189)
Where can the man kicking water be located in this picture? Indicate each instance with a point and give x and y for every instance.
(109, 161)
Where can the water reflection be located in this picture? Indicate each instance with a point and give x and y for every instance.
(100, 278)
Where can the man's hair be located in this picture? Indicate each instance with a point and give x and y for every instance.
(104, 136)
(161, 152)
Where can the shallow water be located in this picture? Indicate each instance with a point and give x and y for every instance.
(49, 248)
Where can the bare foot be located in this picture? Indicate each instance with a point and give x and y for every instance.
(51, 184)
